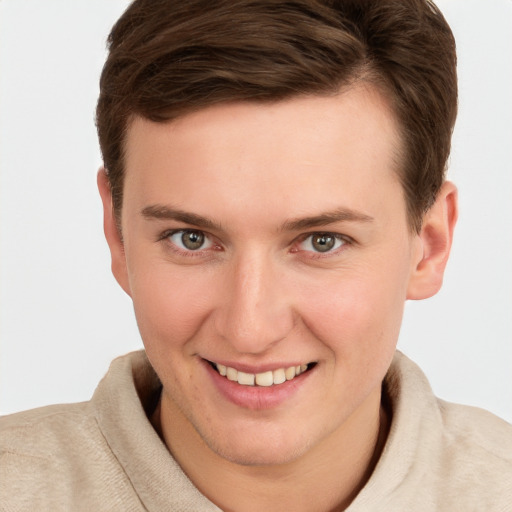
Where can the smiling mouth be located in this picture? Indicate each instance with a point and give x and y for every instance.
(264, 379)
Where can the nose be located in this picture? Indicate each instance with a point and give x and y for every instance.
(257, 311)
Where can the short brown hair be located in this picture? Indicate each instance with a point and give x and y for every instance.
(168, 58)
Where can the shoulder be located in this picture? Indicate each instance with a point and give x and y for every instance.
(483, 428)
(56, 458)
(476, 436)
(40, 432)
(48, 440)
(462, 430)
(475, 463)
(443, 455)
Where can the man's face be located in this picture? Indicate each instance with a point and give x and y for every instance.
(263, 237)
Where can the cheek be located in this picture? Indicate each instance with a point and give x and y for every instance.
(357, 312)
(170, 306)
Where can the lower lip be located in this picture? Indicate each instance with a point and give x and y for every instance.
(257, 397)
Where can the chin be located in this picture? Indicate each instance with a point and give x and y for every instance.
(269, 451)
(269, 457)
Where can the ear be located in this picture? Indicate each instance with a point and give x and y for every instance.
(435, 240)
(112, 234)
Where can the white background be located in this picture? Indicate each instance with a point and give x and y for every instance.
(63, 317)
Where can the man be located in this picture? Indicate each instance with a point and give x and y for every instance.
(273, 192)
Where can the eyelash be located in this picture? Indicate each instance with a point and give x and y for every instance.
(344, 239)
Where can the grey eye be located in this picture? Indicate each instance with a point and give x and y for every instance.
(190, 240)
(321, 242)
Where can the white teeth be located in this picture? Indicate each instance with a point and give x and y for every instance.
(290, 373)
(265, 379)
(246, 379)
(231, 374)
(279, 376)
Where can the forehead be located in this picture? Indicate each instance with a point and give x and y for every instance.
(306, 149)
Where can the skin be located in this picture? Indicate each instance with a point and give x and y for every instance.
(258, 294)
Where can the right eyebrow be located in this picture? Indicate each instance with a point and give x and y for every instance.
(326, 218)
(159, 212)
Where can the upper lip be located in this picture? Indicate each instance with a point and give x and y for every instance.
(259, 368)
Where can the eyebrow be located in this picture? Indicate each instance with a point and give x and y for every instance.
(322, 219)
(326, 218)
(169, 213)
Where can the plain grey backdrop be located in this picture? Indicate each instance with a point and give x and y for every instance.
(62, 316)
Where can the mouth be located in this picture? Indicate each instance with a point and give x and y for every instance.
(264, 379)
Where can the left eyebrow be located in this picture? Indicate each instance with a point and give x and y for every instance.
(326, 218)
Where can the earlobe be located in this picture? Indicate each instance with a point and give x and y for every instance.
(435, 238)
(112, 233)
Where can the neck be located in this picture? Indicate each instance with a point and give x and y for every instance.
(326, 478)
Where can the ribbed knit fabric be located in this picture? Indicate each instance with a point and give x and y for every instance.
(104, 455)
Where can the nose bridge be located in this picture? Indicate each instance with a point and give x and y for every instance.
(257, 312)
